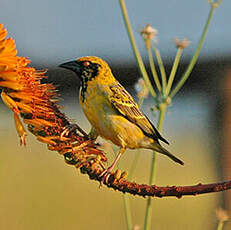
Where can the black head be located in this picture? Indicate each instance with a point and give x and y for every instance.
(85, 69)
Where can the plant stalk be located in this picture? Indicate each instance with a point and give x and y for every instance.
(130, 174)
(220, 225)
(153, 69)
(173, 71)
(161, 67)
(196, 54)
(135, 49)
(127, 210)
(148, 211)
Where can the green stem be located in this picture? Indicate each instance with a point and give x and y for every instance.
(148, 211)
(130, 174)
(127, 209)
(173, 71)
(163, 108)
(196, 54)
(134, 163)
(220, 225)
(153, 69)
(135, 50)
(135, 160)
(127, 212)
(162, 69)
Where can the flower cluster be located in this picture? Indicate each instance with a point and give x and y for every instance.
(35, 104)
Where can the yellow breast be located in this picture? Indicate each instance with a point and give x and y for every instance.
(107, 121)
(96, 106)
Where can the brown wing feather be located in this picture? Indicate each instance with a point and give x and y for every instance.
(125, 104)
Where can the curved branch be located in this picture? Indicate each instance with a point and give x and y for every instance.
(156, 191)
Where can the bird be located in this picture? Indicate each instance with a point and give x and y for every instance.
(112, 112)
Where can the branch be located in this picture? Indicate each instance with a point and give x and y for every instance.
(153, 190)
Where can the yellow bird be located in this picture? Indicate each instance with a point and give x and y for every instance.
(112, 112)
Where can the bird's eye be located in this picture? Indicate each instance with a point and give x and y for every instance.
(86, 63)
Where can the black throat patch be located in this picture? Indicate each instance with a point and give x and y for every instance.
(89, 72)
(84, 84)
(85, 78)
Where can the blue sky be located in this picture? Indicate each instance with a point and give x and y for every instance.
(50, 32)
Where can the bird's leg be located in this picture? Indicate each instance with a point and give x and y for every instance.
(107, 172)
(72, 128)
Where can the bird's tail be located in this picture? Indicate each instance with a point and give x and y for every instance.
(157, 147)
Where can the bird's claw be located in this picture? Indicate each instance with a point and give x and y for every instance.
(105, 176)
(68, 129)
(71, 128)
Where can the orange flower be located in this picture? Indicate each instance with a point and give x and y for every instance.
(36, 103)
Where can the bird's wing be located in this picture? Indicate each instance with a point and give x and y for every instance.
(126, 105)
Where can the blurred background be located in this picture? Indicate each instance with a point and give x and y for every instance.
(39, 191)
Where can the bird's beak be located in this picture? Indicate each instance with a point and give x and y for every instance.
(71, 65)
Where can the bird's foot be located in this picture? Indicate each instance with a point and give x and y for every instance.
(71, 128)
(105, 175)
(107, 172)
